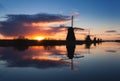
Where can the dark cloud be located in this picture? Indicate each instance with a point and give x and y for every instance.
(22, 24)
(118, 37)
(112, 51)
(111, 31)
(118, 34)
(36, 18)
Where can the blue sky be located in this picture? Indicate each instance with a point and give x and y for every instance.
(97, 15)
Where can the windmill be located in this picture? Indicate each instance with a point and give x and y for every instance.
(70, 34)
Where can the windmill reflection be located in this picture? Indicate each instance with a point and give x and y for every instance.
(71, 53)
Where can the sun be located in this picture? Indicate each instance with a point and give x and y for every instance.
(39, 38)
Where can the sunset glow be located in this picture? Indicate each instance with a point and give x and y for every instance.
(39, 38)
(37, 22)
(49, 23)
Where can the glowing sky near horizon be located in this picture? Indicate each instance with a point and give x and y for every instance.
(102, 17)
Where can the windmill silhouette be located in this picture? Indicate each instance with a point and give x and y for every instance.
(71, 34)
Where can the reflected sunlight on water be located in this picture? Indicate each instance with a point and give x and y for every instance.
(48, 63)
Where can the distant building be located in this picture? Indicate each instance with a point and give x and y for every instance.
(88, 39)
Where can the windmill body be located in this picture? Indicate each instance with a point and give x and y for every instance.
(71, 35)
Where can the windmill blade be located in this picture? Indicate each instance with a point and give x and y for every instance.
(62, 26)
(76, 28)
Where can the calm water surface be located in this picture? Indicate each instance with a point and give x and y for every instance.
(58, 63)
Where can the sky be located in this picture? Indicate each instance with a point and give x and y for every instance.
(33, 18)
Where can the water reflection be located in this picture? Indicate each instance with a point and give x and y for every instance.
(39, 56)
(33, 57)
(49, 63)
(71, 52)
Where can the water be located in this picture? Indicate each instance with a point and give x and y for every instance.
(53, 63)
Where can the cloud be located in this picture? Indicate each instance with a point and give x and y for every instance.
(112, 51)
(118, 34)
(117, 38)
(37, 18)
(24, 24)
(111, 31)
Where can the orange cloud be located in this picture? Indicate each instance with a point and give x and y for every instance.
(32, 25)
